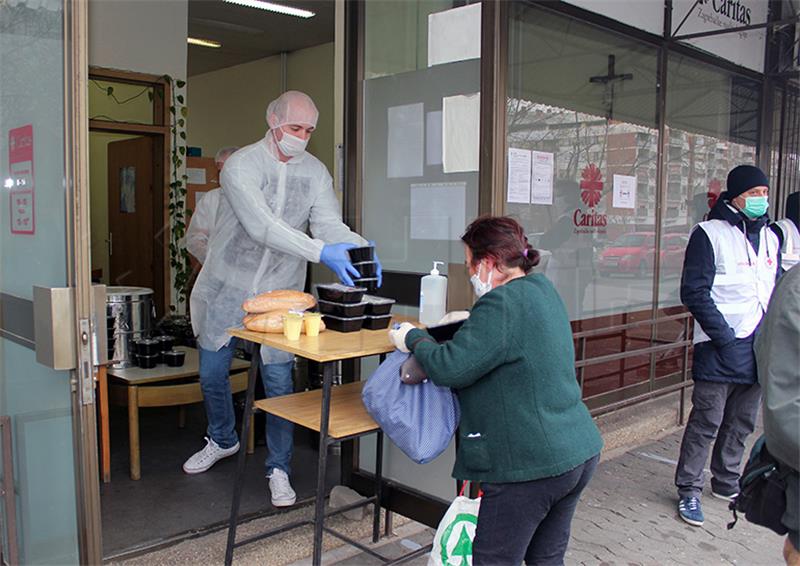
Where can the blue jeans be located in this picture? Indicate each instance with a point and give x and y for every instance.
(216, 386)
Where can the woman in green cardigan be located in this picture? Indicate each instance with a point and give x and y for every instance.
(524, 433)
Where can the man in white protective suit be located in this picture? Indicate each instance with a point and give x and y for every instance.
(205, 213)
(274, 194)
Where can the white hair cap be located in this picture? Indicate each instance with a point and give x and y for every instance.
(292, 107)
(224, 153)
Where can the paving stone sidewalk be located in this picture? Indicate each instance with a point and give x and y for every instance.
(627, 516)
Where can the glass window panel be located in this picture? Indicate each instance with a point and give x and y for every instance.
(587, 97)
(33, 251)
(416, 202)
(712, 125)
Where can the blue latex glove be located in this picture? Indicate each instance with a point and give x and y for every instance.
(378, 265)
(336, 258)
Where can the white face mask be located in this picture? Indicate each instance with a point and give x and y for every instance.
(291, 146)
(481, 287)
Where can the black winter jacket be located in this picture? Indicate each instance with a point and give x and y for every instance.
(725, 358)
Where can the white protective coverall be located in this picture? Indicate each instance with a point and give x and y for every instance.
(260, 240)
(202, 224)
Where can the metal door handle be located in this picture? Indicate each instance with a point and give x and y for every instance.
(110, 242)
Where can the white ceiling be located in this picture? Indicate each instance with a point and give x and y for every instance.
(248, 34)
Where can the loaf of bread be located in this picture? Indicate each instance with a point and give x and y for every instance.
(286, 299)
(270, 322)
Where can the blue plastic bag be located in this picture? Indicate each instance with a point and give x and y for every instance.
(420, 419)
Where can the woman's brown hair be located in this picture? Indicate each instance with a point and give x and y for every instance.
(503, 239)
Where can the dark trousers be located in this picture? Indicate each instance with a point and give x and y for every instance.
(725, 412)
(528, 520)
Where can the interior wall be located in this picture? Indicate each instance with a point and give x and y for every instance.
(146, 36)
(227, 107)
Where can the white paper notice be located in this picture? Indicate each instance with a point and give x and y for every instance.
(438, 211)
(197, 176)
(433, 138)
(461, 125)
(454, 35)
(624, 191)
(542, 184)
(406, 136)
(519, 175)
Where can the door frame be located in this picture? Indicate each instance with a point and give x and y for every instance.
(160, 132)
(76, 177)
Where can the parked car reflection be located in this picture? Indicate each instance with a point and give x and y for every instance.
(634, 254)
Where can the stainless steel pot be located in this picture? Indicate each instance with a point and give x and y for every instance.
(131, 313)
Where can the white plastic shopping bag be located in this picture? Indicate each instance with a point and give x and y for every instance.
(452, 545)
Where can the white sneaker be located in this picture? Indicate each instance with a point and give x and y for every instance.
(208, 456)
(282, 493)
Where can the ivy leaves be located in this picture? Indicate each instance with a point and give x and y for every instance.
(178, 255)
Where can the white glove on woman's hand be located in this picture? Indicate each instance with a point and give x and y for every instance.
(398, 336)
(453, 316)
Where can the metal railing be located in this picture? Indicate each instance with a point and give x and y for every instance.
(653, 389)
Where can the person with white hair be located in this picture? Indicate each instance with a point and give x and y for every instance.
(205, 212)
(278, 212)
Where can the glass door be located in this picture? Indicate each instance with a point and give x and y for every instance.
(43, 433)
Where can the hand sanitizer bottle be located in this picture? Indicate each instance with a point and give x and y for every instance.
(433, 296)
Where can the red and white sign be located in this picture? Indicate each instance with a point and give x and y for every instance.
(20, 181)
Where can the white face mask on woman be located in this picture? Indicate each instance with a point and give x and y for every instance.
(291, 146)
(481, 287)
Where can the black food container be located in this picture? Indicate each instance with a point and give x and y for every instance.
(147, 362)
(365, 253)
(167, 342)
(367, 268)
(444, 332)
(174, 358)
(338, 293)
(377, 306)
(344, 310)
(377, 322)
(369, 283)
(148, 347)
(341, 324)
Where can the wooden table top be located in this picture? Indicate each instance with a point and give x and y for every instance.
(190, 368)
(329, 346)
(348, 416)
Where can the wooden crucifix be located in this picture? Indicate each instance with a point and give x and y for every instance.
(609, 80)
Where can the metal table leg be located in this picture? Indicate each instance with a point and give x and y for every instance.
(242, 456)
(376, 516)
(319, 508)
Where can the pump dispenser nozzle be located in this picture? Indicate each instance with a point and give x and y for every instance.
(435, 270)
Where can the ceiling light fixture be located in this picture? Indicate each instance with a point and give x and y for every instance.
(273, 7)
(203, 42)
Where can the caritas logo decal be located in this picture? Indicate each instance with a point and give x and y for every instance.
(714, 190)
(591, 193)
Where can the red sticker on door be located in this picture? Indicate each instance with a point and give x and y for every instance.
(20, 180)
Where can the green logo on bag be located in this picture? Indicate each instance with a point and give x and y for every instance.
(460, 545)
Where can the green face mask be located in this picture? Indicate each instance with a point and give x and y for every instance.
(754, 207)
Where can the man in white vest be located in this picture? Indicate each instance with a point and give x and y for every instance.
(788, 230)
(731, 264)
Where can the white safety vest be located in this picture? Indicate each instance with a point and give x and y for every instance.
(744, 279)
(790, 253)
